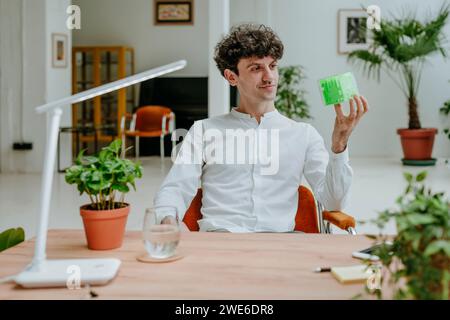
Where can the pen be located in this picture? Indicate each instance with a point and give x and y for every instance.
(322, 269)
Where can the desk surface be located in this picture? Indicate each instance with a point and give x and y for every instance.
(215, 266)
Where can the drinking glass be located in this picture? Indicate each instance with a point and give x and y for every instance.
(161, 240)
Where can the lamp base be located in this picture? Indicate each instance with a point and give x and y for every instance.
(69, 273)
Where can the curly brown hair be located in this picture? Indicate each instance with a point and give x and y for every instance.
(245, 41)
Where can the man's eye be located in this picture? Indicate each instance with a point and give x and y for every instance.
(255, 68)
(274, 66)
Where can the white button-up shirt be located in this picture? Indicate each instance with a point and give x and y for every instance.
(258, 192)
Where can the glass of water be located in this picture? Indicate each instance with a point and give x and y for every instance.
(161, 240)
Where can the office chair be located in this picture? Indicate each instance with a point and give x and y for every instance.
(310, 217)
(148, 122)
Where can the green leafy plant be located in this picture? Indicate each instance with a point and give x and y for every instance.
(105, 178)
(290, 99)
(445, 110)
(403, 46)
(418, 260)
(11, 237)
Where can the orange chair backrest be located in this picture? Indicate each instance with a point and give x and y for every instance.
(149, 118)
(193, 213)
(305, 220)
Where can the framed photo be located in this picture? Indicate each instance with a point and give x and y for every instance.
(352, 31)
(59, 50)
(174, 12)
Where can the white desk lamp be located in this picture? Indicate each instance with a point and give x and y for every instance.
(51, 273)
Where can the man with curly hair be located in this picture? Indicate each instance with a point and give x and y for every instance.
(240, 196)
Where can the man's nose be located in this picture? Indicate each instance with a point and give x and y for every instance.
(268, 75)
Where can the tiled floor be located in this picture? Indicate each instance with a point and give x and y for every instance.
(376, 185)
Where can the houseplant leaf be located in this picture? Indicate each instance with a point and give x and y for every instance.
(419, 259)
(11, 237)
(436, 246)
(103, 175)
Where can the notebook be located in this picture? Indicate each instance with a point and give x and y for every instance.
(352, 274)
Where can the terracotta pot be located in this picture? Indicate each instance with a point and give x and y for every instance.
(417, 144)
(105, 228)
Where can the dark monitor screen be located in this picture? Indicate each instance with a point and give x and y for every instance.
(175, 92)
(186, 96)
(178, 92)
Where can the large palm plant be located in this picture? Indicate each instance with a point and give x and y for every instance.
(402, 46)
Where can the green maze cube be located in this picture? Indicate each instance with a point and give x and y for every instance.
(338, 89)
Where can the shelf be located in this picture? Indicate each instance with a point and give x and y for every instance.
(102, 63)
(100, 138)
(94, 68)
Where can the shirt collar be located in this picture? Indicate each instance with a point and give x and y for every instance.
(242, 115)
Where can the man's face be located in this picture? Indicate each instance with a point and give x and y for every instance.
(257, 80)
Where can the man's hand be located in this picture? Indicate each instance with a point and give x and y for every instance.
(173, 221)
(344, 125)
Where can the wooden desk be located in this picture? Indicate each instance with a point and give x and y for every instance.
(215, 266)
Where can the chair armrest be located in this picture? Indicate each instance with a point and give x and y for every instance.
(168, 123)
(339, 219)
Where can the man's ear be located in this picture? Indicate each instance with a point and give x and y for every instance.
(231, 77)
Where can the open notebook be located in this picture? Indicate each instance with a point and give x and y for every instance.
(352, 274)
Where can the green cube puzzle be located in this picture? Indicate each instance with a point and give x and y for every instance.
(338, 89)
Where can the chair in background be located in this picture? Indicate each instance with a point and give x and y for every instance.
(148, 122)
(310, 217)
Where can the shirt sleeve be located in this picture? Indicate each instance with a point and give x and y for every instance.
(330, 179)
(184, 178)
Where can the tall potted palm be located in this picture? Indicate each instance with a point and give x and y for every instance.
(402, 46)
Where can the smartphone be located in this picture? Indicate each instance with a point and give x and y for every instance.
(367, 254)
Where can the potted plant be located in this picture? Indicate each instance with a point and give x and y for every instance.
(445, 110)
(417, 261)
(290, 99)
(105, 178)
(403, 46)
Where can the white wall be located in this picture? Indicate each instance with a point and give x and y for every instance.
(59, 80)
(10, 77)
(309, 31)
(118, 22)
(28, 88)
(40, 82)
(218, 87)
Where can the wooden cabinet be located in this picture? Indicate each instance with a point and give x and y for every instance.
(92, 67)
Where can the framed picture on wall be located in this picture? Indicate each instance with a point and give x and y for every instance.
(352, 31)
(174, 12)
(59, 50)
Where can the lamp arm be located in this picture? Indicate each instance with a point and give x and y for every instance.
(54, 108)
(113, 86)
(46, 188)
